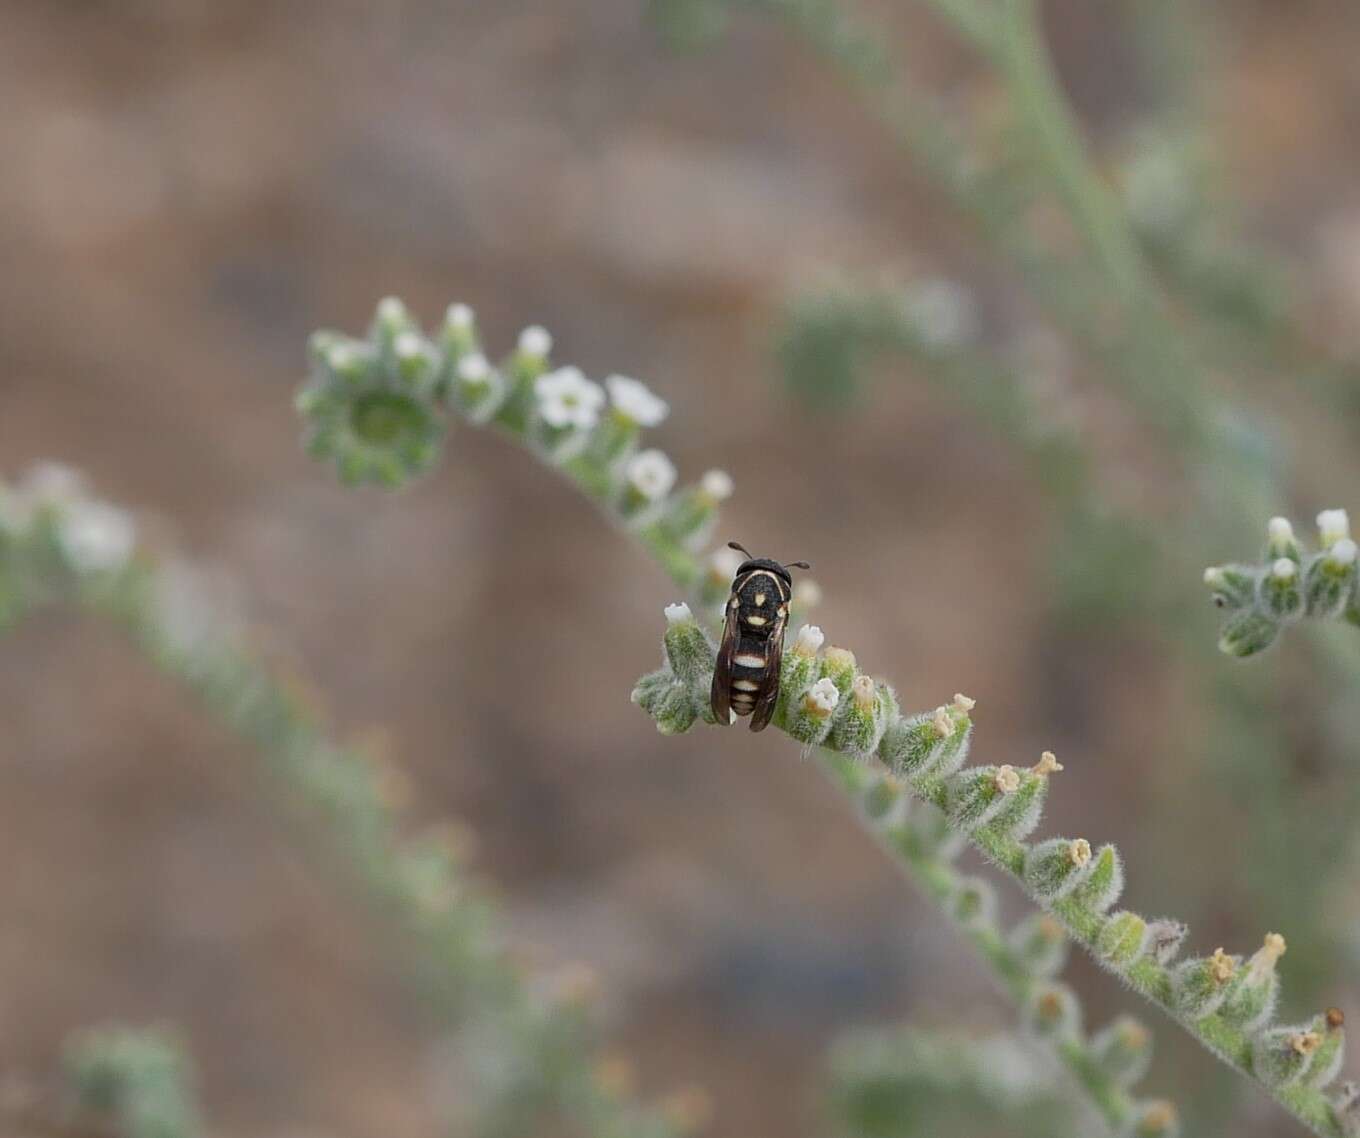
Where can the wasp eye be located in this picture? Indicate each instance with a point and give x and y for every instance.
(1219, 602)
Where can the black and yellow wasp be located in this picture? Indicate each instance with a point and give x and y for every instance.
(746, 678)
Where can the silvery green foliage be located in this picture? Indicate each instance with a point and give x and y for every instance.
(1223, 1001)
(1288, 584)
(139, 1079)
(58, 544)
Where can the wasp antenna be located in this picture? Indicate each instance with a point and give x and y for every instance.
(797, 565)
(739, 548)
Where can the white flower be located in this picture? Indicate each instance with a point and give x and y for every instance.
(391, 311)
(724, 563)
(717, 484)
(535, 341)
(678, 613)
(566, 398)
(823, 697)
(634, 400)
(344, 358)
(1284, 569)
(408, 346)
(473, 368)
(942, 312)
(1280, 531)
(1343, 552)
(459, 317)
(809, 640)
(96, 537)
(1333, 525)
(651, 474)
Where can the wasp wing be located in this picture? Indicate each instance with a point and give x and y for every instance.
(720, 695)
(768, 695)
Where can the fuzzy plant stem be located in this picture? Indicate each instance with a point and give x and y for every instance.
(531, 1033)
(826, 702)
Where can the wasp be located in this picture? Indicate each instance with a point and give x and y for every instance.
(746, 678)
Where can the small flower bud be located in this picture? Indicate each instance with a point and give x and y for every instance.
(1054, 1013)
(1002, 798)
(535, 341)
(933, 744)
(1042, 943)
(1055, 867)
(1200, 986)
(1103, 882)
(1154, 1120)
(1248, 633)
(1282, 1056)
(973, 903)
(1282, 591)
(810, 719)
(1251, 1003)
(1233, 586)
(1280, 540)
(799, 669)
(860, 726)
(1324, 1040)
(689, 652)
(1333, 526)
(838, 665)
(391, 320)
(677, 613)
(1330, 579)
(477, 389)
(716, 485)
(808, 641)
(1122, 940)
(1123, 1050)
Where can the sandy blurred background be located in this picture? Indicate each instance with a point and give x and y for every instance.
(188, 188)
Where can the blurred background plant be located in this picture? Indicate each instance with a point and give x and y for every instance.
(193, 188)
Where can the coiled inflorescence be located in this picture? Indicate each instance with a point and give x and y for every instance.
(1288, 584)
(1226, 1002)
